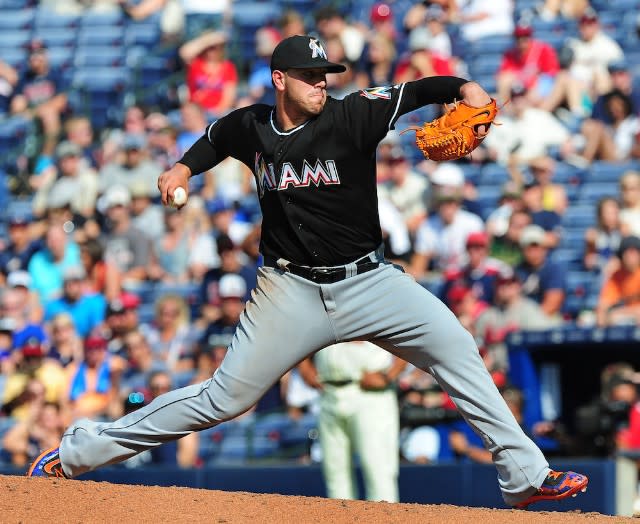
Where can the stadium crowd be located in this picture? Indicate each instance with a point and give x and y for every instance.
(109, 299)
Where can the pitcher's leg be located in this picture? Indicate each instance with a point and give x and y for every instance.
(388, 307)
(266, 344)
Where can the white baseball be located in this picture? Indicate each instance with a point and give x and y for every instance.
(179, 197)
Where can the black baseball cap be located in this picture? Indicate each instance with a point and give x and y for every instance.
(302, 52)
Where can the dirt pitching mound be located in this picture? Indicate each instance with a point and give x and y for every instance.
(71, 501)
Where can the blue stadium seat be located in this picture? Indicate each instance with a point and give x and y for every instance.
(271, 425)
(13, 133)
(16, 4)
(487, 64)
(12, 38)
(488, 197)
(566, 174)
(491, 45)
(233, 449)
(579, 216)
(494, 174)
(15, 57)
(255, 14)
(608, 171)
(60, 57)
(594, 191)
(22, 19)
(262, 447)
(99, 57)
(101, 36)
(100, 18)
(573, 239)
(145, 35)
(47, 19)
(57, 37)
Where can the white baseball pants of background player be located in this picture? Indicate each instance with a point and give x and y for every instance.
(289, 318)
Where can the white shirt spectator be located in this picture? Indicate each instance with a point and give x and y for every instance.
(446, 242)
(392, 223)
(497, 20)
(590, 59)
(527, 137)
(624, 136)
(205, 6)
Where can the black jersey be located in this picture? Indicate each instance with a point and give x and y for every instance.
(316, 182)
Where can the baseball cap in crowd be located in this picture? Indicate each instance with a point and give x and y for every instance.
(421, 443)
(302, 52)
(19, 278)
(36, 46)
(630, 242)
(380, 12)
(589, 16)
(61, 193)
(121, 304)
(32, 347)
(434, 12)
(133, 141)
(518, 89)
(95, 341)
(267, 38)
(447, 174)
(448, 194)
(117, 196)
(506, 276)
(140, 189)
(478, 238)
(618, 65)
(232, 286)
(511, 189)
(7, 325)
(19, 218)
(67, 148)
(74, 273)
(420, 39)
(532, 234)
(523, 30)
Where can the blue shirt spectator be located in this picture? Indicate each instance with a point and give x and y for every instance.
(86, 310)
(542, 279)
(17, 253)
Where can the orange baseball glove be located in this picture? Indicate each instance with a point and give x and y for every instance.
(454, 134)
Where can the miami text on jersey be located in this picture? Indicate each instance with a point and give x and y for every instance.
(320, 173)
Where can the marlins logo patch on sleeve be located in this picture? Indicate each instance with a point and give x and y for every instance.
(377, 92)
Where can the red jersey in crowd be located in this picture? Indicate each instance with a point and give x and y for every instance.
(206, 89)
(539, 58)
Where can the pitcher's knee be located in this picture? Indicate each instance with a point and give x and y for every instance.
(226, 403)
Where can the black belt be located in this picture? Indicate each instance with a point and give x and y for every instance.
(338, 383)
(322, 275)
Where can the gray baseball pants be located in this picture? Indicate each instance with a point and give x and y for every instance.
(287, 319)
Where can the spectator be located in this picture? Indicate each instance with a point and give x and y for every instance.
(440, 240)
(101, 277)
(510, 201)
(172, 18)
(93, 384)
(47, 265)
(142, 363)
(611, 142)
(466, 305)
(74, 178)
(593, 52)
(478, 274)
(619, 301)
(291, 23)
(211, 79)
(78, 131)
(40, 94)
(339, 86)
(567, 9)
(601, 243)
(127, 248)
(510, 311)
(382, 22)
(66, 344)
(204, 15)
(378, 62)
(163, 141)
(86, 309)
(331, 24)
(210, 354)
(526, 131)
(550, 221)
(630, 200)
(121, 318)
(35, 379)
(112, 145)
(21, 282)
(531, 63)
(133, 167)
(354, 382)
(21, 246)
(553, 196)
(42, 429)
(406, 189)
(422, 61)
(145, 215)
(171, 336)
(8, 81)
(622, 82)
(479, 19)
(395, 234)
(231, 291)
(435, 18)
(192, 125)
(543, 280)
(260, 87)
(172, 250)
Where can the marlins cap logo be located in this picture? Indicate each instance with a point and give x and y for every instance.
(316, 49)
